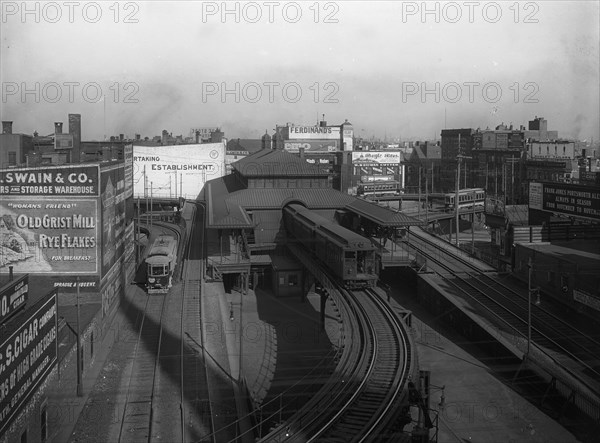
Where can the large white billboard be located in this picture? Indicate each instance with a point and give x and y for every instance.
(176, 171)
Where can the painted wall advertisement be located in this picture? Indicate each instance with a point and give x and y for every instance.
(13, 296)
(311, 145)
(176, 171)
(313, 132)
(26, 358)
(49, 236)
(50, 181)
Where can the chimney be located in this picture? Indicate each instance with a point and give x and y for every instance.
(7, 127)
(75, 130)
(58, 127)
(197, 137)
(121, 137)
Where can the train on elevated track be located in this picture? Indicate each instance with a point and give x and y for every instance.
(467, 198)
(351, 259)
(160, 264)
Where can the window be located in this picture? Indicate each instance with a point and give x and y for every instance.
(12, 158)
(24, 436)
(92, 344)
(293, 280)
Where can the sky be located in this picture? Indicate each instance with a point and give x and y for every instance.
(401, 70)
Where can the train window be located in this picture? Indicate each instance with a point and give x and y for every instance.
(349, 254)
(158, 270)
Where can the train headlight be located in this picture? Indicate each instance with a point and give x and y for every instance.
(151, 280)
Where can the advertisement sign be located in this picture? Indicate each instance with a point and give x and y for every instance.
(587, 299)
(176, 171)
(49, 236)
(311, 145)
(392, 158)
(112, 181)
(50, 181)
(63, 141)
(535, 196)
(313, 132)
(204, 133)
(26, 358)
(128, 154)
(13, 296)
(577, 200)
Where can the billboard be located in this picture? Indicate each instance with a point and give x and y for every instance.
(312, 145)
(49, 235)
(203, 133)
(392, 158)
(176, 171)
(63, 141)
(313, 132)
(50, 181)
(564, 198)
(13, 296)
(113, 196)
(26, 358)
(128, 154)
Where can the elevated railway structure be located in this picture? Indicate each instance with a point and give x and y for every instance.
(366, 397)
(568, 356)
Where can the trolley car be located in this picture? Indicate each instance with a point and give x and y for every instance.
(379, 188)
(160, 264)
(467, 198)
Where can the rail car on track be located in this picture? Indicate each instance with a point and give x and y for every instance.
(350, 257)
(379, 188)
(466, 199)
(160, 264)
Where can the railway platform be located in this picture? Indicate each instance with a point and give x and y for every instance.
(470, 402)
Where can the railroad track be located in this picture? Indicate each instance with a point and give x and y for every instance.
(549, 330)
(142, 403)
(387, 362)
(138, 408)
(369, 385)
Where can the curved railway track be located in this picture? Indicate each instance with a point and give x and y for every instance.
(549, 330)
(363, 397)
(387, 362)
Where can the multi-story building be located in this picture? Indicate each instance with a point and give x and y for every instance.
(498, 161)
(456, 142)
(428, 157)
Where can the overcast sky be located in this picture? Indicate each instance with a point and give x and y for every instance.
(165, 65)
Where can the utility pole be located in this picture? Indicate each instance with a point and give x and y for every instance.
(459, 157)
(529, 265)
(419, 205)
(79, 385)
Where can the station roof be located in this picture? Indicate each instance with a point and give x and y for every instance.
(382, 216)
(276, 163)
(228, 206)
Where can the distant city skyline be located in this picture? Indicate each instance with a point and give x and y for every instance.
(391, 68)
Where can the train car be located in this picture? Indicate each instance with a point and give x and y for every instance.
(466, 199)
(350, 257)
(379, 188)
(160, 264)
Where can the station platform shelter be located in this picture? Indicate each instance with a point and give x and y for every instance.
(244, 228)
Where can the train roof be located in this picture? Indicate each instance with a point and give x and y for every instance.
(163, 245)
(343, 236)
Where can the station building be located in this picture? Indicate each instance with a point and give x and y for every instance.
(246, 241)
